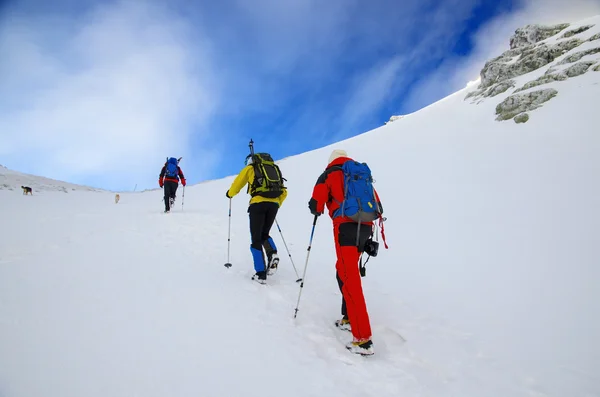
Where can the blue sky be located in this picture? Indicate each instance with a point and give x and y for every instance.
(99, 92)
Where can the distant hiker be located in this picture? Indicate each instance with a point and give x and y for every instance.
(267, 191)
(346, 188)
(169, 178)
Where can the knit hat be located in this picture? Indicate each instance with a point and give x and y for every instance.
(336, 154)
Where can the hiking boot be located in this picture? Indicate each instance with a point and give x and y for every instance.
(273, 263)
(363, 347)
(260, 277)
(343, 324)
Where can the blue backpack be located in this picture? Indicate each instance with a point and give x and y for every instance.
(172, 169)
(360, 203)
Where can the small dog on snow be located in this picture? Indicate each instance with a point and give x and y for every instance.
(117, 198)
(27, 189)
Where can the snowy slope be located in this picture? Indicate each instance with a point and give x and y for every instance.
(491, 276)
(13, 180)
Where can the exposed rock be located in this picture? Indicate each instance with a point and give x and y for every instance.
(531, 51)
(499, 88)
(473, 94)
(516, 104)
(546, 54)
(509, 55)
(578, 69)
(521, 118)
(532, 34)
(492, 91)
(545, 79)
(572, 71)
(578, 55)
(578, 30)
(531, 58)
(493, 72)
(394, 118)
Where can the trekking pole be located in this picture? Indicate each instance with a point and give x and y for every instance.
(288, 251)
(312, 233)
(182, 198)
(228, 264)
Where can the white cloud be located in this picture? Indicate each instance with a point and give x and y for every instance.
(108, 94)
(492, 40)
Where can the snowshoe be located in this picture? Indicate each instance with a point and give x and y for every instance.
(343, 324)
(260, 277)
(364, 348)
(273, 264)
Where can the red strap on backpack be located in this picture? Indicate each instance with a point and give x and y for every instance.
(382, 231)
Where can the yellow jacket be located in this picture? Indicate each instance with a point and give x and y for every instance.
(246, 177)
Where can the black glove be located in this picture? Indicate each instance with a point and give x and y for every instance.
(312, 206)
(227, 194)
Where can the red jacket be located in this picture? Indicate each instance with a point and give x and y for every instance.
(162, 178)
(329, 190)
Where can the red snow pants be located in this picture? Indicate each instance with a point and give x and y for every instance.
(348, 275)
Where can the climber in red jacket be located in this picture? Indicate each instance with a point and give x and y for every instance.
(350, 240)
(169, 178)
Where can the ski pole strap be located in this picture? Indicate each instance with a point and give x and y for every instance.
(382, 232)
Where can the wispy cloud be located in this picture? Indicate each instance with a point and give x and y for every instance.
(103, 95)
(432, 31)
(323, 70)
(369, 91)
(126, 83)
(490, 41)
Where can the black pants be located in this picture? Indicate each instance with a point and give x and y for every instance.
(170, 189)
(262, 217)
(347, 237)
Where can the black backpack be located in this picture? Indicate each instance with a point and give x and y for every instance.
(268, 181)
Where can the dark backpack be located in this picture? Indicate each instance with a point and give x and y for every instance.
(268, 181)
(172, 169)
(360, 203)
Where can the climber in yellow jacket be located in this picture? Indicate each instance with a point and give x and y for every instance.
(267, 191)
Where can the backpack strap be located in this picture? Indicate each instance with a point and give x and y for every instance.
(251, 186)
(326, 173)
(257, 175)
(382, 231)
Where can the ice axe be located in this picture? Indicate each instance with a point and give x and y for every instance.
(228, 264)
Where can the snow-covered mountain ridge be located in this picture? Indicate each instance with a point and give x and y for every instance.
(539, 59)
(13, 180)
